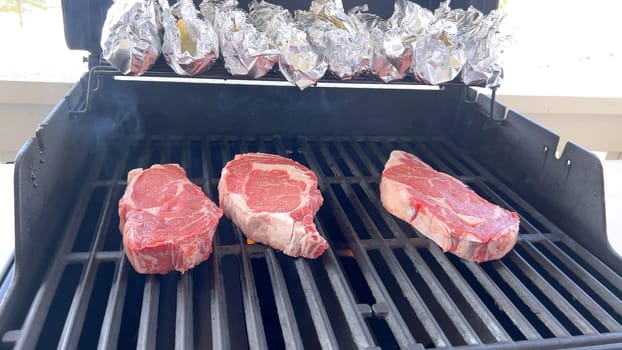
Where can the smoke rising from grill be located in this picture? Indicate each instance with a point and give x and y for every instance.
(119, 121)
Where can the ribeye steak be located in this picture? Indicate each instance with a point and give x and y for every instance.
(167, 222)
(273, 199)
(446, 210)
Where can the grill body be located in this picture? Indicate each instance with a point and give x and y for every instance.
(380, 285)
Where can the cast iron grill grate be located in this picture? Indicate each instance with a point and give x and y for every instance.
(381, 283)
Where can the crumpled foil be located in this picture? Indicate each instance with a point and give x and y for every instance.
(390, 56)
(130, 39)
(336, 36)
(298, 61)
(245, 50)
(190, 44)
(440, 54)
(484, 45)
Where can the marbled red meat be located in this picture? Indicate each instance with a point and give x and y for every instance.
(273, 200)
(167, 222)
(446, 210)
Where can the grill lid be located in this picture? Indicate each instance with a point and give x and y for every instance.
(83, 19)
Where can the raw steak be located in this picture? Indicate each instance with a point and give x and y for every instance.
(446, 210)
(167, 222)
(273, 199)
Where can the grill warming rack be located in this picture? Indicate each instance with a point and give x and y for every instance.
(219, 75)
(379, 285)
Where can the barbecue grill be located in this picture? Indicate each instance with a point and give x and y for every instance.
(380, 285)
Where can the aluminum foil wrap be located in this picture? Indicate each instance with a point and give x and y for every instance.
(245, 50)
(336, 36)
(484, 44)
(190, 44)
(130, 39)
(440, 54)
(390, 56)
(298, 62)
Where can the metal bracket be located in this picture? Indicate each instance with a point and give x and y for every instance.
(493, 96)
(92, 85)
(486, 103)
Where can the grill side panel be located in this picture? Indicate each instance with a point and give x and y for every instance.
(568, 190)
(42, 173)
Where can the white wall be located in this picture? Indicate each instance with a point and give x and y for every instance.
(593, 122)
(23, 105)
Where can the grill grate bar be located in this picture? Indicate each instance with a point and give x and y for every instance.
(365, 158)
(314, 301)
(83, 257)
(316, 307)
(348, 179)
(519, 202)
(254, 322)
(502, 301)
(424, 241)
(380, 156)
(147, 330)
(206, 168)
(289, 325)
(606, 341)
(42, 301)
(386, 256)
(394, 319)
(202, 306)
(422, 150)
(534, 213)
(577, 293)
(523, 324)
(479, 180)
(360, 333)
(220, 330)
(524, 222)
(529, 299)
(540, 236)
(585, 276)
(440, 293)
(112, 317)
(405, 285)
(109, 334)
(184, 323)
(220, 324)
(479, 309)
(551, 293)
(591, 261)
(77, 312)
(441, 147)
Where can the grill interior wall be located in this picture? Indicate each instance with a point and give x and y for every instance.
(202, 109)
(380, 284)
